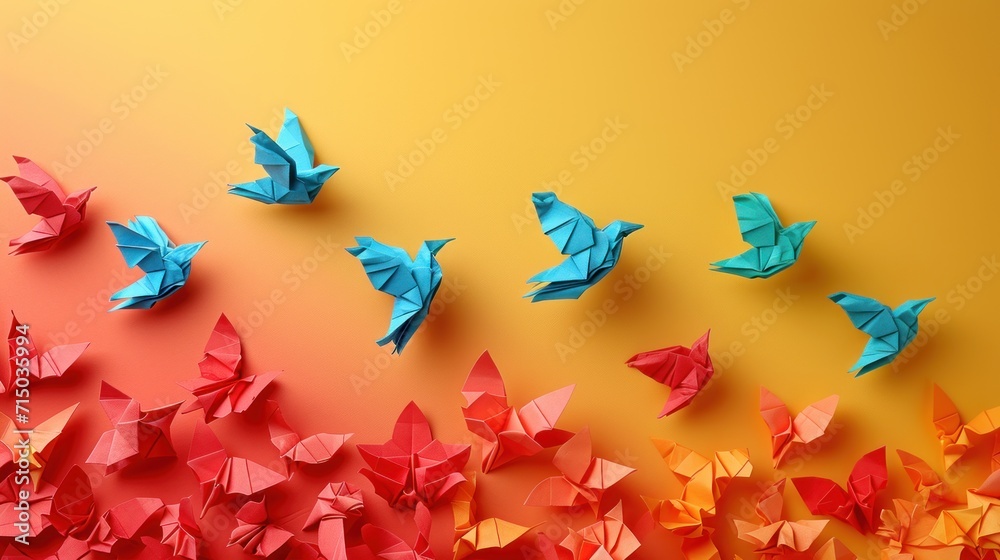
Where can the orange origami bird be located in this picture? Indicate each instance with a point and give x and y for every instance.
(471, 535)
(773, 536)
(584, 479)
(40, 442)
(704, 481)
(930, 488)
(42, 196)
(685, 370)
(786, 432)
(509, 434)
(956, 438)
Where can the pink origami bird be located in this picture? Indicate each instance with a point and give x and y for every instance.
(388, 546)
(315, 449)
(337, 508)
(179, 530)
(137, 435)
(413, 467)
(221, 475)
(584, 478)
(221, 390)
(42, 196)
(24, 357)
(509, 434)
(786, 432)
(856, 504)
(608, 539)
(685, 370)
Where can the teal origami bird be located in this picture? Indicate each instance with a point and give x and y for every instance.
(592, 252)
(774, 247)
(413, 282)
(890, 330)
(144, 244)
(291, 179)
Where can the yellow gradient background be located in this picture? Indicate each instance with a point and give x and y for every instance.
(560, 73)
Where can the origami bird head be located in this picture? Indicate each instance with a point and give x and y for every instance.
(619, 229)
(184, 253)
(909, 310)
(797, 232)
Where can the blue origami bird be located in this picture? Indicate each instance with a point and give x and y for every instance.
(775, 247)
(592, 252)
(890, 330)
(413, 282)
(291, 179)
(167, 267)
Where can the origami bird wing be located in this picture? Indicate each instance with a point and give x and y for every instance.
(856, 505)
(759, 225)
(779, 423)
(294, 142)
(36, 190)
(389, 269)
(810, 424)
(223, 352)
(567, 227)
(142, 243)
(823, 496)
(315, 449)
(877, 321)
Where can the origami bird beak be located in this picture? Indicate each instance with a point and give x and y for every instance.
(802, 228)
(628, 227)
(920, 304)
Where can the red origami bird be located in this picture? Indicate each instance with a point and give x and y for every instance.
(388, 546)
(413, 467)
(137, 435)
(856, 505)
(50, 364)
(685, 370)
(315, 449)
(337, 508)
(73, 509)
(42, 196)
(257, 535)
(221, 475)
(786, 432)
(509, 434)
(584, 479)
(221, 390)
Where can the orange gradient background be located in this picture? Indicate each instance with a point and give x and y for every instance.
(560, 72)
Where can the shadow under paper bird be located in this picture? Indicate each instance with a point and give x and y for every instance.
(592, 252)
(774, 247)
(42, 196)
(292, 178)
(167, 267)
(413, 282)
(891, 330)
